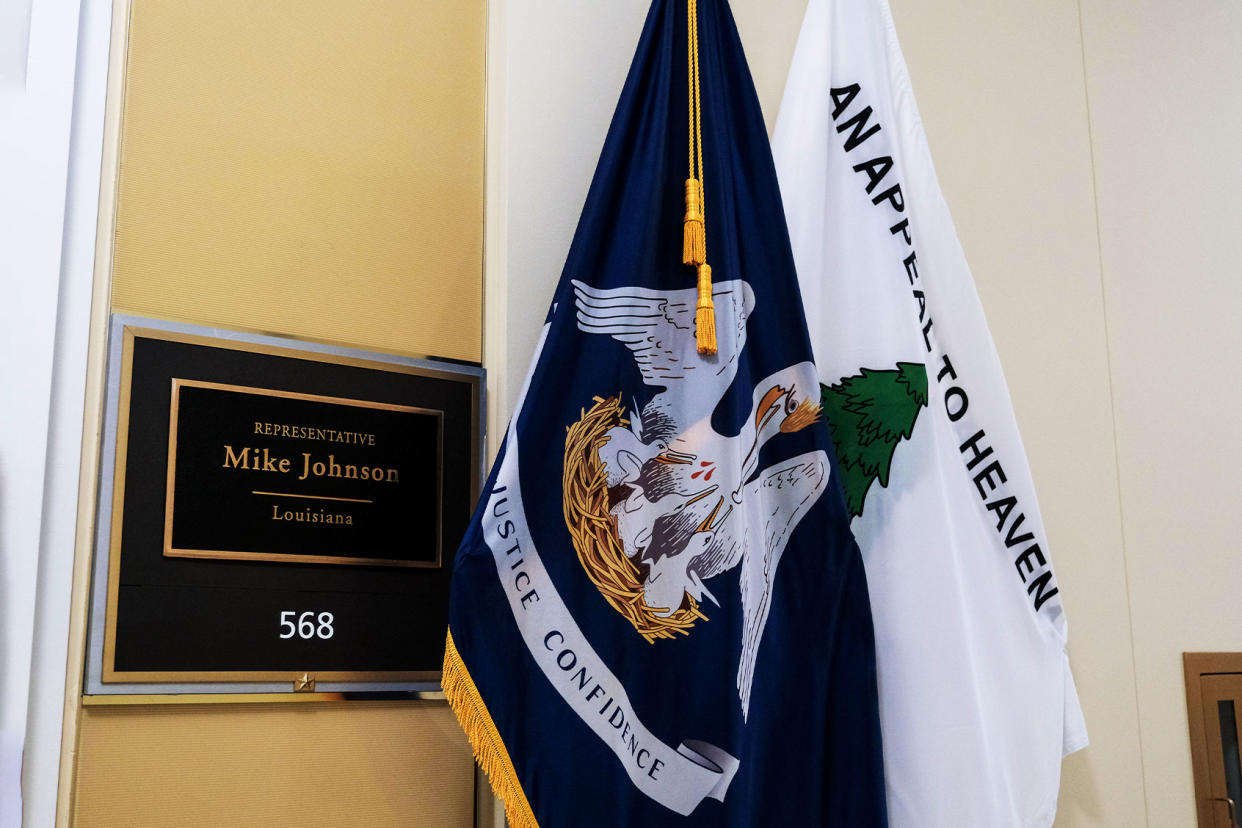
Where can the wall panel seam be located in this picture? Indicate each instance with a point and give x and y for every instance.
(495, 304)
(1112, 405)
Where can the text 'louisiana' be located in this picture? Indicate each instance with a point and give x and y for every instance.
(309, 515)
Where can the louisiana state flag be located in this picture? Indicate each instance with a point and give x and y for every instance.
(659, 615)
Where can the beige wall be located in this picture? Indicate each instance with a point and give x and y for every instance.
(306, 167)
(345, 764)
(1098, 203)
(1086, 148)
(1003, 100)
(1165, 81)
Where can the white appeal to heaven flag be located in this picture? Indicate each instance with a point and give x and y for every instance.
(977, 704)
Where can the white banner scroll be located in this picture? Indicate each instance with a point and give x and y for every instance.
(679, 779)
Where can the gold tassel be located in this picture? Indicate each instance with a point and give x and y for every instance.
(694, 240)
(705, 313)
(489, 751)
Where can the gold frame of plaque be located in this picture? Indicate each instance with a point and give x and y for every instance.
(172, 551)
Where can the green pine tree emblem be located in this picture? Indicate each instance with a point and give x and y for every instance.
(868, 414)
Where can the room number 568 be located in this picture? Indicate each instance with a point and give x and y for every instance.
(308, 625)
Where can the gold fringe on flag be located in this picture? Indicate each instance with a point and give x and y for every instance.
(489, 750)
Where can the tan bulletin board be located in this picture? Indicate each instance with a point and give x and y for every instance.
(312, 168)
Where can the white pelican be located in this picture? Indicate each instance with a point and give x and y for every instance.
(689, 502)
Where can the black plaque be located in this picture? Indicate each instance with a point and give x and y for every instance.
(280, 512)
(272, 475)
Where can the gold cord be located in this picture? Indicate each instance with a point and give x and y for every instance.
(694, 234)
(696, 119)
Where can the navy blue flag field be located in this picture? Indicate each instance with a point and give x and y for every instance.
(659, 615)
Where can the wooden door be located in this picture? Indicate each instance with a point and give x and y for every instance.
(1214, 710)
(1222, 705)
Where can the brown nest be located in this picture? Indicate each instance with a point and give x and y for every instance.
(594, 530)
